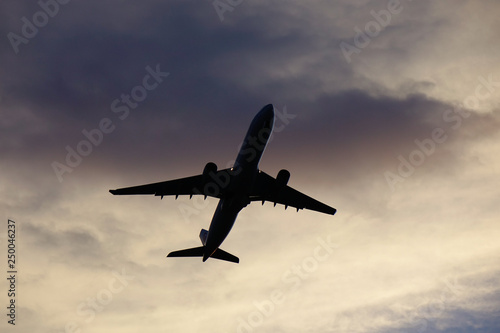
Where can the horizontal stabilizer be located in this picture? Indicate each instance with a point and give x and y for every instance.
(193, 252)
(199, 251)
(223, 255)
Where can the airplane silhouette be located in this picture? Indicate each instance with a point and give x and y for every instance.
(236, 187)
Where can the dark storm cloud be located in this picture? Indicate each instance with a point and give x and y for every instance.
(220, 73)
(70, 73)
(81, 61)
(356, 133)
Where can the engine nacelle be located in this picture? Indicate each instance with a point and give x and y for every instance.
(283, 177)
(209, 170)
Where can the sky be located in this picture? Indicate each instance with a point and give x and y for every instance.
(386, 110)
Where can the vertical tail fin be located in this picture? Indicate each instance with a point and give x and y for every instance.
(203, 236)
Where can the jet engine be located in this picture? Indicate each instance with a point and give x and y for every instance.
(209, 169)
(283, 177)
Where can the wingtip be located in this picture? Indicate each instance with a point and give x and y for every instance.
(112, 192)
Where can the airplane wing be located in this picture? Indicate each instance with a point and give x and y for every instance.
(194, 185)
(267, 188)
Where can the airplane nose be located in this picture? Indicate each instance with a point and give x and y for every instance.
(267, 111)
(268, 108)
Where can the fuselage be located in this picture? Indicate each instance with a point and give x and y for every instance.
(242, 178)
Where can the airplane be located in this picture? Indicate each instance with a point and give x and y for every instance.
(236, 187)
